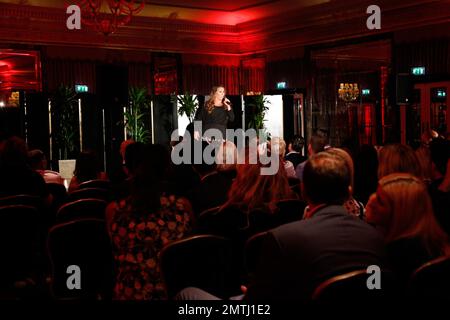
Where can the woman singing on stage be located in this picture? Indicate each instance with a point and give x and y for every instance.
(216, 113)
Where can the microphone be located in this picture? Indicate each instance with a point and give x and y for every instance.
(227, 102)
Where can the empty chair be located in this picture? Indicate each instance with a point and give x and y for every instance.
(81, 249)
(22, 248)
(86, 193)
(97, 183)
(202, 261)
(432, 280)
(84, 208)
(353, 286)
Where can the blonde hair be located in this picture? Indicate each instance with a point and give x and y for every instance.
(398, 158)
(252, 190)
(278, 145)
(408, 213)
(209, 104)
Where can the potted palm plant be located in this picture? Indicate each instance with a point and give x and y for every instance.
(66, 127)
(258, 108)
(136, 114)
(188, 105)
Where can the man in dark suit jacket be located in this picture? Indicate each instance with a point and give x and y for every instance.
(298, 256)
(295, 147)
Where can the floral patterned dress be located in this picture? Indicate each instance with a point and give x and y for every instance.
(138, 238)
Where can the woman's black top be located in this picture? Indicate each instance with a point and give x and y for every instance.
(217, 119)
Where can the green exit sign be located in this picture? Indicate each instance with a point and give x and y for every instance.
(81, 88)
(365, 92)
(418, 71)
(281, 85)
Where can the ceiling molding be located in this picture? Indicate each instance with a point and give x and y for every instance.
(329, 22)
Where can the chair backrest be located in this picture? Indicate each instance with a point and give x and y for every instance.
(432, 280)
(353, 287)
(253, 250)
(97, 183)
(83, 243)
(47, 215)
(22, 199)
(84, 208)
(202, 261)
(86, 193)
(21, 244)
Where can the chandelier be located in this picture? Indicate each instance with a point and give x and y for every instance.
(118, 13)
(348, 91)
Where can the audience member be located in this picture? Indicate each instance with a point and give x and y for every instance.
(316, 144)
(298, 256)
(295, 148)
(38, 162)
(398, 158)
(141, 225)
(353, 206)
(278, 145)
(16, 176)
(87, 168)
(401, 210)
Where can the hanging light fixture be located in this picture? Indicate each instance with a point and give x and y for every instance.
(118, 13)
(348, 92)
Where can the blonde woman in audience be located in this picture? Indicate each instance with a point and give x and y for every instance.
(398, 158)
(278, 145)
(402, 211)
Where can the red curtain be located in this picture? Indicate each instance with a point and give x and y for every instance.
(69, 73)
(434, 55)
(199, 79)
(139, 75)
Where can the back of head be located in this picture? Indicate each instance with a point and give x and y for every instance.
(297, 143)
(14, 152)
(146, 184)
(133, 157)
(86, 166)
(326, 179)
(278, 145)
(36, 159)
(253, 189)
(348, 160)
(398, 158)
(403, 208)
